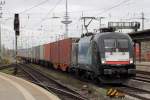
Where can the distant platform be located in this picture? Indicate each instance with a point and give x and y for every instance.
(14, 88)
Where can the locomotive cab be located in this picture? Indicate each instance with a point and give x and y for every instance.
(108, 57)
(116, 56)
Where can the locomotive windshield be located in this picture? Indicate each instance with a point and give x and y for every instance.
(123, 45)
(110, 44)
(116, 50)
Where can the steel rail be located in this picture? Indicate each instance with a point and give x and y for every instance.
(66, 90)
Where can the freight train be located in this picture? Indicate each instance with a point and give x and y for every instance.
(107, 57)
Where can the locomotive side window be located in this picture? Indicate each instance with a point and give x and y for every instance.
(83, 49)
(110, 45)
(84, 56)
(123, 45)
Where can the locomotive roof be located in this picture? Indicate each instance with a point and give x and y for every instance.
(111, 35)
(98, 36)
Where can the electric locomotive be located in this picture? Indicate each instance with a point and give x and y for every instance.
(108, 57)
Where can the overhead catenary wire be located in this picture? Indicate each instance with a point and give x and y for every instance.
(37, 5)
(28, 9)
(112, 7)
(45, 17)
(50, 11)
(115, 6)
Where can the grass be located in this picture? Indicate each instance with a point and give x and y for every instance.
(8, 70)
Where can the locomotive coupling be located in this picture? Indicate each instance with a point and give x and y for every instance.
(107, 71)
(114, 93)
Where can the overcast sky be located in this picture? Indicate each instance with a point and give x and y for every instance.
(37, 24)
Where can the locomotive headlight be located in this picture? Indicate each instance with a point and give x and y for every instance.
(131, 60)
(103, 60)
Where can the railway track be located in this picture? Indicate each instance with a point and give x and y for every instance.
(142, 78)
(143, 72)
(70, 94)
(131, 90)
(7, 66)
(39, 78)
(139, 86)
(135, 92)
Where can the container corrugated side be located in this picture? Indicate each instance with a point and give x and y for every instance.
(41, 52)
(46, 52)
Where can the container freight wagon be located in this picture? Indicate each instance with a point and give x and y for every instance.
(59, 53)
(33, 55)
(37, 54)
(41, 55)
(30, 55)
(46, 53)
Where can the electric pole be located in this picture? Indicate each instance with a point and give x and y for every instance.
(82, 25)
(87, 24)
(1, 13)
(100, 21)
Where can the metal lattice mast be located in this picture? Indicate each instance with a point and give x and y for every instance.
(66, 20)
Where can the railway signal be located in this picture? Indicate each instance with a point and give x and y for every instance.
(16, 29)
(16, 24)
(17, 32)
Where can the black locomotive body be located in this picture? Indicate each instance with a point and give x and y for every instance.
(108, 57)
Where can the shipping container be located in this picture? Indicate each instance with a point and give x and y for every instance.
(37, 52)
(26, 53)
(60, 53)
(41, 52)
(54, 53)
(33, 53)
(30, 52)
(46, 52)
